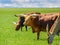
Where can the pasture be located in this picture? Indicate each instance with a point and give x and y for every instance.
(8, 35)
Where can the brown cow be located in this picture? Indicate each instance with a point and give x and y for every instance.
(40, 22)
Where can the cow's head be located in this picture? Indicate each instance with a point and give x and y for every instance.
(20, 21)
(30, 19)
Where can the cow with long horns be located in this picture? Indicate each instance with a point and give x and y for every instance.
(19, 23)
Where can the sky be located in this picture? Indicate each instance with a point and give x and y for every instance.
(30, 3)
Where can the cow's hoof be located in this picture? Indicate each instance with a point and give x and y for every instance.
(33, 32)
(37, 38)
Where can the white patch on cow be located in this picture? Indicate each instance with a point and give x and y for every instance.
(47, 28)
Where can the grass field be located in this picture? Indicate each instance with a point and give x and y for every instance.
(8, 36)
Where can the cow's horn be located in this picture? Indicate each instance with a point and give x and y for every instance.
(23, 15)
(34, 14)
(18, 15)
(14, 22)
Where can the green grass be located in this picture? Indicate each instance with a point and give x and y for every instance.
(8, 36)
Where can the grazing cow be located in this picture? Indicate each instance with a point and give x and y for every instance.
(40, 22)
(22, 19)
(55, 29)
(19, 23)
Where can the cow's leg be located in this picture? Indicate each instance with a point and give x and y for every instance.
(21, 28)
(33, 30)
(26, 28)
(38, 35)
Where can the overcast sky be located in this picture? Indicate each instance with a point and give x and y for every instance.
(30, 3)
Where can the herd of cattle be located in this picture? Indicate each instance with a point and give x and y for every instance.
(49, 22)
